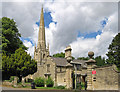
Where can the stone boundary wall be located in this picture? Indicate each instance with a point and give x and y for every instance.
(6, 83)
(106, 78)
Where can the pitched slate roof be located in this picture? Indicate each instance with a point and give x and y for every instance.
(63, 61)
(60, 61)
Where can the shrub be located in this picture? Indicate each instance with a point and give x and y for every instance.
(12, 79)
(60, 87)
(30, 80)
(39, 82)
(49, 82)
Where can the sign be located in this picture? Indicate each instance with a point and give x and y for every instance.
(93, 72)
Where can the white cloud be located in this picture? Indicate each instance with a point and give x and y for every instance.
(86, 18)
(71, 18)
(24, 14)
(31, 47)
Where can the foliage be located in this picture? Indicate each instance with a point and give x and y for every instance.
(0, 61)
(61, 55)
(100, 61)
(82, 85)
(19, 64)
(10, 36)
(23, 64)
(45, 88)
(7, 66)
(60, 87)
(15, 61)
(114, 51)
(29, 80)
(12, 78)
(49, 82)
(83, 58)
(78, 86)
(39, 82)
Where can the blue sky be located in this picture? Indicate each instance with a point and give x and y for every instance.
(98, 19)
(94, 34)
(48, 20)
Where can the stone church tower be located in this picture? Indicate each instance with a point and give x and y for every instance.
(41, 52)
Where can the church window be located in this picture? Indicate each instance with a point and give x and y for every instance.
(48, 67)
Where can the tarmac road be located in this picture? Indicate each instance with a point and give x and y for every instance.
(10, 89)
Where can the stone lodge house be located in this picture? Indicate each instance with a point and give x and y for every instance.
(61, 70)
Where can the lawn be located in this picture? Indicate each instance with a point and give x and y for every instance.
(45, 88)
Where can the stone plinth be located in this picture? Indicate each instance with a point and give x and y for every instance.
(90, 65)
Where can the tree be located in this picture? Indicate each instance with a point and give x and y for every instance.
(10, 36)
(19, 64)
(15, 61)
(61, 55)
(23, 64)
(114, 51)
(83, 58)
(100, 61)
(7, 66)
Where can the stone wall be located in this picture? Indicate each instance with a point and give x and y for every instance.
(61, 78)
(42, 71)
(106, 78)
(6, 83)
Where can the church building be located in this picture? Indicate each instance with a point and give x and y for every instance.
(67, 71)
(59, 69)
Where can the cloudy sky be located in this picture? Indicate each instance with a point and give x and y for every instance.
(86, 26)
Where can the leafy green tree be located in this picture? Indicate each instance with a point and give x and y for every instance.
(100, 61)
(7, 65)
(15, 61)
(114, 51)
(61, 55)
(83, 58)
(19, 64)
(23, 64)
(10, 36)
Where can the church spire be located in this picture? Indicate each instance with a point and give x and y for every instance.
(41, 35)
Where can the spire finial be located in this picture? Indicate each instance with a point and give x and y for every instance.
(41, 34)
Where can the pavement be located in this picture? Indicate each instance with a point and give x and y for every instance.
(11, 89)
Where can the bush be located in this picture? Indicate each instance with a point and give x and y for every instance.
(49, 82)
(30, 80)
(12, 79)
(60, 87)
(39, 82)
